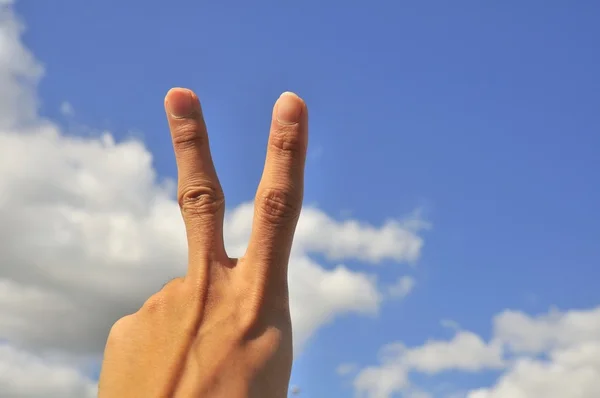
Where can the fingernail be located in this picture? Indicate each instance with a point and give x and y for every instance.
(289, 108)
(180, 102)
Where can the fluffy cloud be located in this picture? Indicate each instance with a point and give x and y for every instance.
(553, 355)
(557, 355)
(88, 231)
(67, 109)
(346, 368)
(466, 352)
(381, 381)
(19, 72)
(402, 287)
(28, 376)
(525, 334)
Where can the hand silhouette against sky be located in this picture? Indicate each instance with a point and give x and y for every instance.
(223, 329)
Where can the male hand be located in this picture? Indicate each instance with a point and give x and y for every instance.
(222, 330)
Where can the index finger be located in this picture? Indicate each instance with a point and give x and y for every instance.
(199, 194)
(279, 196)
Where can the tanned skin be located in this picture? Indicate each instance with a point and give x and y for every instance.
(223, 329)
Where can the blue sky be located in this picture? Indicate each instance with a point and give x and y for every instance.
(482, 116)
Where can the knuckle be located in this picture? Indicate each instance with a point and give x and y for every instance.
(287, 140)
(172, 285)
(120, 329)
(256, 312)
(163, 300)
(249, 311)
(248, 321)
(156, 304)
(189, 133)
(201, 199)
(279, 205)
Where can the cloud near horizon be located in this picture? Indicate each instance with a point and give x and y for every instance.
(552, 355)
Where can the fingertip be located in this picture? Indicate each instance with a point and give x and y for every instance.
(289, 108)
(180, 102)
(289, 93)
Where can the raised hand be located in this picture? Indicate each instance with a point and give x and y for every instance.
(222, 330)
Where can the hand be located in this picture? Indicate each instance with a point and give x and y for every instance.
(222, 330)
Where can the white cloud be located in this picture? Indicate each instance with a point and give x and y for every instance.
(88, 231)
(465, 352)
(396, 240)
(381, 381)
(67, 109)
(450, 324)
(19, 72)
(417, 394)
(553, 355)
(345, 369)
(569, 346)
(573, 373)
(526, 334)
(24, 375)
(402, 287)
